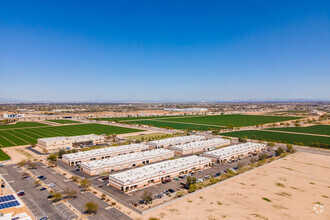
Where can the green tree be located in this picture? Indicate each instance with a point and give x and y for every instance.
(262, 156)
(192, 188)
(271, 144)
(190, 180)
(279, 151)
(147, 196)
(91, 207)
(52, 157)
(37, 183)
(56, 196)
(289, 148)
(85, 183)
(60, 153)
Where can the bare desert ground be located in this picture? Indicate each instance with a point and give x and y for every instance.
(297, 187)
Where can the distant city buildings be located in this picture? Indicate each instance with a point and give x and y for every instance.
(12, 115)
(186, 109)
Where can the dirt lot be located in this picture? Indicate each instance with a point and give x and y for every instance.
(287, 189)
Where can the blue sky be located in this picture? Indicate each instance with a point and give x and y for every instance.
(164, 50)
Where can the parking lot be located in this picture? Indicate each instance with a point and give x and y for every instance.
(135, 196)
(65, 211)
(38, 203)
(34, 199)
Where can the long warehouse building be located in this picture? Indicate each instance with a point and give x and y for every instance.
(103, 153)
(164, 143)
(155, 173)
(121, 162)
(56, 143)
(199, 146)
(240, 150)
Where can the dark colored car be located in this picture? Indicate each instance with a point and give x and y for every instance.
(42, 177)
(171, 190)
(43, 188)
(105, 178)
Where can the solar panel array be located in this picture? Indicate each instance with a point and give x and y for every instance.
(8, 202)
(7, 198)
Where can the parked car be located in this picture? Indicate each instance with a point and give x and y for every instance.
(142, 201)
(50, 196)
(44, 218)
(21, 193)
(43, 188)
(207, 177)
(200, 180)
(171, 190)
(105, 178)
(41, 177)
(166, 181)
(52, 184)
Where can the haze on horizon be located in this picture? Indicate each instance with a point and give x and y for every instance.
(164, 50)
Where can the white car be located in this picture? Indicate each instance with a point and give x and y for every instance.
(52, 184)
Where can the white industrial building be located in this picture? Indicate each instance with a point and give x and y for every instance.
(6, 115)
(154, 173)
(121, 162)
(103, 153)
(199, 146)
(56, 143)
(240, 150)
(164, 143)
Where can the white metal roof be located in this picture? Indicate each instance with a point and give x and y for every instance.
(161, 168)
(176, 140)
(126, 158)
(103, 151)
(200, 144)
(71, 138)
(234, 149)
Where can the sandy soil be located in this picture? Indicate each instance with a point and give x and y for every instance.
(256, 113)
(293, 186)
(17, 156)
(326, 122)
(14, 154)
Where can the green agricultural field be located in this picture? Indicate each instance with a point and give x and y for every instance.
(140, 118)
(283, 137)
(25, 136)
(64, 121)
(315, 129)
(3, 155)
(180, 126)
(22, 125)
(234, 120)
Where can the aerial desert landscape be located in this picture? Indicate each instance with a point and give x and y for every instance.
(290, 187)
